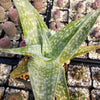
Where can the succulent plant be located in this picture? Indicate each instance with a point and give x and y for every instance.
(6, 4)
(78, 73)
(52, 26)
(9, 28)
(96, 4)
(13, 15)
(60, 3)
(96, 29)
(57, 14)
(5, 42)
(78, 15)
(38, 4)
(56, 26)
(59, 25)
(77, 95)
(48, 53)
(97, 75)
(15, 96)
(22, 43)
(79, 6)
(97, 35)
(2, 14)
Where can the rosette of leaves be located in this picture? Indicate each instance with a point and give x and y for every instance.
(78, 73)
(48, 53)
(6, 4)
(2, 15)
(78, 96)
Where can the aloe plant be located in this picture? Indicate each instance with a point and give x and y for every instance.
(48, 53)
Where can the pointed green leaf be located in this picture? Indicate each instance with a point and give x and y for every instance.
(62, 37)
(21, 68)
(28, 21)
(34, 29)
(62, 92)
(27, 50)
(43, 76)
(85, 49)
(33, 50)
(66, 41)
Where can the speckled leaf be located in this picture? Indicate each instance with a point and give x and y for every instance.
(79, 36)
(21, 68)
(61, 92)
(85, 49)
(34, 29)
(27, 50)
(44, 72)
(66, 41)
(33, 50)
(43, 76)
